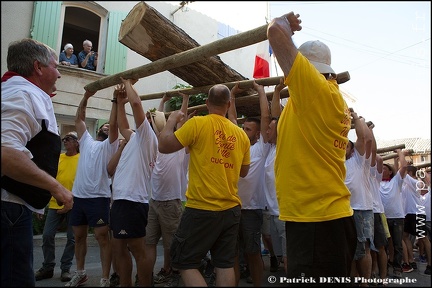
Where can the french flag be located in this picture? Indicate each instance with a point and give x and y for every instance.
(262, 60)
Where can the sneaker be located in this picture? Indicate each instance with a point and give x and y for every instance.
(274, 264)
(406, 268)
(114, 280)
(43, 273)
(104, 282)
(65, 276)
(428, 270)
(173, 280)
(265, 252)
(413, 265)
(77, 280)
(162, 276)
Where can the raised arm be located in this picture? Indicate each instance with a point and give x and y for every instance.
(361, 133)
(402, 163)
(264, 110)
(168, 142)
(112, 164)
(373, 146)
(113, 126)
(276, 109)
(80, 116)
(183, 109)
(279, 33)
(123, 123)
(134, 101)
(232, 110)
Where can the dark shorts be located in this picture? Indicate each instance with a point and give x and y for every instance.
(93, 212)
(320, 249)
(201, 231)
(128, 219)
(250, 230)
(415, 224)
(380, 238)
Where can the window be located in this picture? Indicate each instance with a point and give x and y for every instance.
(57, 23)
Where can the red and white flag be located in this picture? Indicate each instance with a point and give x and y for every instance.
(262, 60)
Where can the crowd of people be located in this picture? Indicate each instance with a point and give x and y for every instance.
(334, 208)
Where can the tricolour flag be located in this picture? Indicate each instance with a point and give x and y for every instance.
(262, 60)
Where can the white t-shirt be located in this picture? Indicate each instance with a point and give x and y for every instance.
(269, 179)
(391, 197)
(133, 173)
(357, 181)
(414, 202)
(169, 177)
(251, 188)
(374, 183)
(91, 178)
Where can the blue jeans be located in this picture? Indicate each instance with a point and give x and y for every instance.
(52, 223)
(16, 246)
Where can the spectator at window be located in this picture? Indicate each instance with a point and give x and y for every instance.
(88, 59)
(67, 57)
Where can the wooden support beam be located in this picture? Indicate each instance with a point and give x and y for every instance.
(244, 84)
(183, 58)
(390, 156)
(424, 165)
(390, 148)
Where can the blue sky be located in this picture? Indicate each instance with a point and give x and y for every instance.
(385, 46)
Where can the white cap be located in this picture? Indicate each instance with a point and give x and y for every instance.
(67, 46)
(318, 54)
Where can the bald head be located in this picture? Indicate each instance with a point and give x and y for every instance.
(219, 95)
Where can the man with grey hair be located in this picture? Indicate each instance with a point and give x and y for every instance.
(87, 58)
(30, 151)
(310, 158)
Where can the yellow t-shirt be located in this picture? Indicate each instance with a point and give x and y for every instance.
(310, 151)
(218, 149)
(67, 168)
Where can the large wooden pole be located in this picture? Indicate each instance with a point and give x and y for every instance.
(196, 54)
(244, 84)
(390, 148)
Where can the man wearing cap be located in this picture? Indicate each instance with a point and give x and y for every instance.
(56, 215)
(67, 57)
(219, 156)
(310, 158)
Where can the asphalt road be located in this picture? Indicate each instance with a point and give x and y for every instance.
(415, 279)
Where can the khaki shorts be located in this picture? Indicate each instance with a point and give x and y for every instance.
(163, 220)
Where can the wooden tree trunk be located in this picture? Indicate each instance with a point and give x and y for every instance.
(153, 36)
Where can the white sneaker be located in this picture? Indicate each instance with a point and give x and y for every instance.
(104, 282)
(78, 279)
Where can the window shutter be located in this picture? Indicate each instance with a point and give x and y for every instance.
(115, 51)
(46, 22)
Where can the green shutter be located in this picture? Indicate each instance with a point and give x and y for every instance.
(46, 22)
(115, 51)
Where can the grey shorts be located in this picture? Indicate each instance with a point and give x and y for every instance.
(364, 222)
(163, 220)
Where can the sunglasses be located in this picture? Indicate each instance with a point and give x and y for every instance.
(68, 139)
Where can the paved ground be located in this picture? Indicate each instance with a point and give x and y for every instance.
(416, 278)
